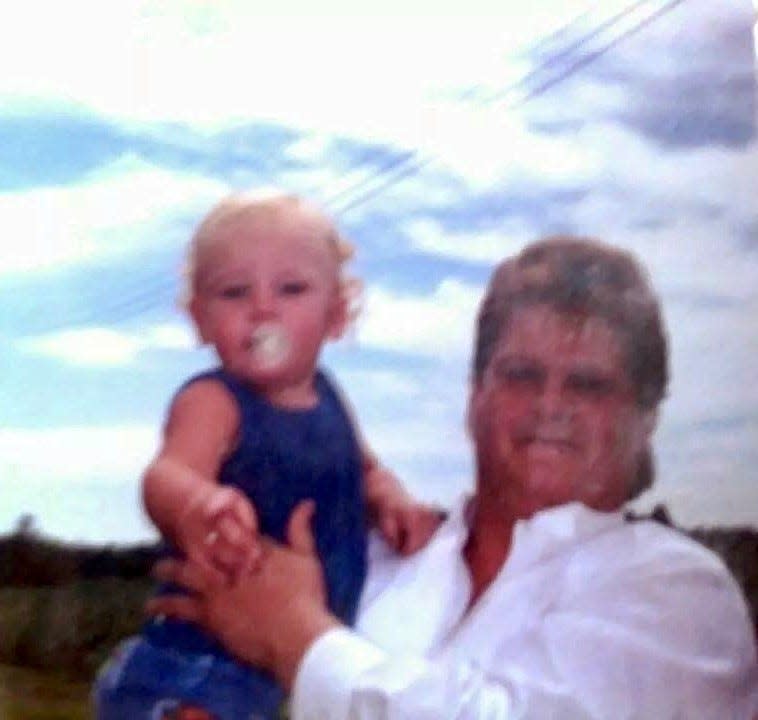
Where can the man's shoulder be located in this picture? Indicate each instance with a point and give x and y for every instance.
(652, 548)
(661, 579)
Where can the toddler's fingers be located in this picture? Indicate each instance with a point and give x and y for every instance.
(299, 528)
(420, 524)
(389, 526)
(244, 513)
(228, 501)
(238, 540)
(230, 530)
(416, 536)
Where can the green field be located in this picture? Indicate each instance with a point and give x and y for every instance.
(63, 609)
(31, 695)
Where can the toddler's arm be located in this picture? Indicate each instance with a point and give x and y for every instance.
(406, 524)
(212, 524)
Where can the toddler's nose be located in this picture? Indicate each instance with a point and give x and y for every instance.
(262, 304)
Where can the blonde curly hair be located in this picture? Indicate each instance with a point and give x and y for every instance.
(270, 202)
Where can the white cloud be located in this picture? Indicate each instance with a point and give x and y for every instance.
(311, 147)
(105, 455)
(414, 420)
(376, 385)
(77, 482)
(104, 216)
(169, 337)
(94, 347)
(676, 179)
(213, 64)
(429, 453)
(428, 325)
(493, 146)
(107, 347)
(707, 477)
(430, 236)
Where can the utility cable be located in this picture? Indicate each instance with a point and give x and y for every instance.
(412, 162)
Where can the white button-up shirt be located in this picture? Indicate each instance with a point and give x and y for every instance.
(589, 617)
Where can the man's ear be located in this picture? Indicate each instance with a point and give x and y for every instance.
(471, 407)
(650, 422)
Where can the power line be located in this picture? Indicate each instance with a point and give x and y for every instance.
(412, 162)
(396, 167)
(593, 56)
(415, 163)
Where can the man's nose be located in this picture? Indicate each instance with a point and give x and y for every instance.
(553, 400)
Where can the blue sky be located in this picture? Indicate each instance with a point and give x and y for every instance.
(122, 122)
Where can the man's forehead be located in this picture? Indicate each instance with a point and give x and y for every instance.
(561, 339)
(542, 320)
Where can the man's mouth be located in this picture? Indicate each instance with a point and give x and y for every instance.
(558, 440)
(548, 441)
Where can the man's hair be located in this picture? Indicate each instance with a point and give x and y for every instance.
(585, 277)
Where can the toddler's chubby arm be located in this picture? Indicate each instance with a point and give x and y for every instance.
(405, 523)
(212, 524)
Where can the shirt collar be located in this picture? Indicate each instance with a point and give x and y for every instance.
(548, 532)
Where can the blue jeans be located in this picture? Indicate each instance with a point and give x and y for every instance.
(142, 681)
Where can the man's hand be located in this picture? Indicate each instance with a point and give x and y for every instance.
(267, 616)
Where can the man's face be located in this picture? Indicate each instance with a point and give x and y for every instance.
(554, 417)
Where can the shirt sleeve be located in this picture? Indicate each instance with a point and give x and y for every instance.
(668, 642)
(344, 676)
(668, 636)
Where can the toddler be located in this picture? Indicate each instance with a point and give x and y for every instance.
(246, 442)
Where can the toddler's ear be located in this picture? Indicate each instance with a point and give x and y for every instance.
(338, 321)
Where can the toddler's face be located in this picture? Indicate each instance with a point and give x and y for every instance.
(266, 297)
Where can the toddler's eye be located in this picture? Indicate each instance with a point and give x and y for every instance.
(293, 287)
(234, 292)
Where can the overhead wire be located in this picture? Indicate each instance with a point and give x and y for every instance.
(415, 162)
(411, 162)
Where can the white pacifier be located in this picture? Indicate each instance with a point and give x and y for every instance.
(269, 344)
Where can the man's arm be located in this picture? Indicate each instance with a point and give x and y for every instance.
(344, 676)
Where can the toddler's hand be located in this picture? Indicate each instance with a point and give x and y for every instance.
(219, 528)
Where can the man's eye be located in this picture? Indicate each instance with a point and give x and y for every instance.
(293, 287)
(234, 292)
(523, 375)
(591, 385)
(518, 374)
